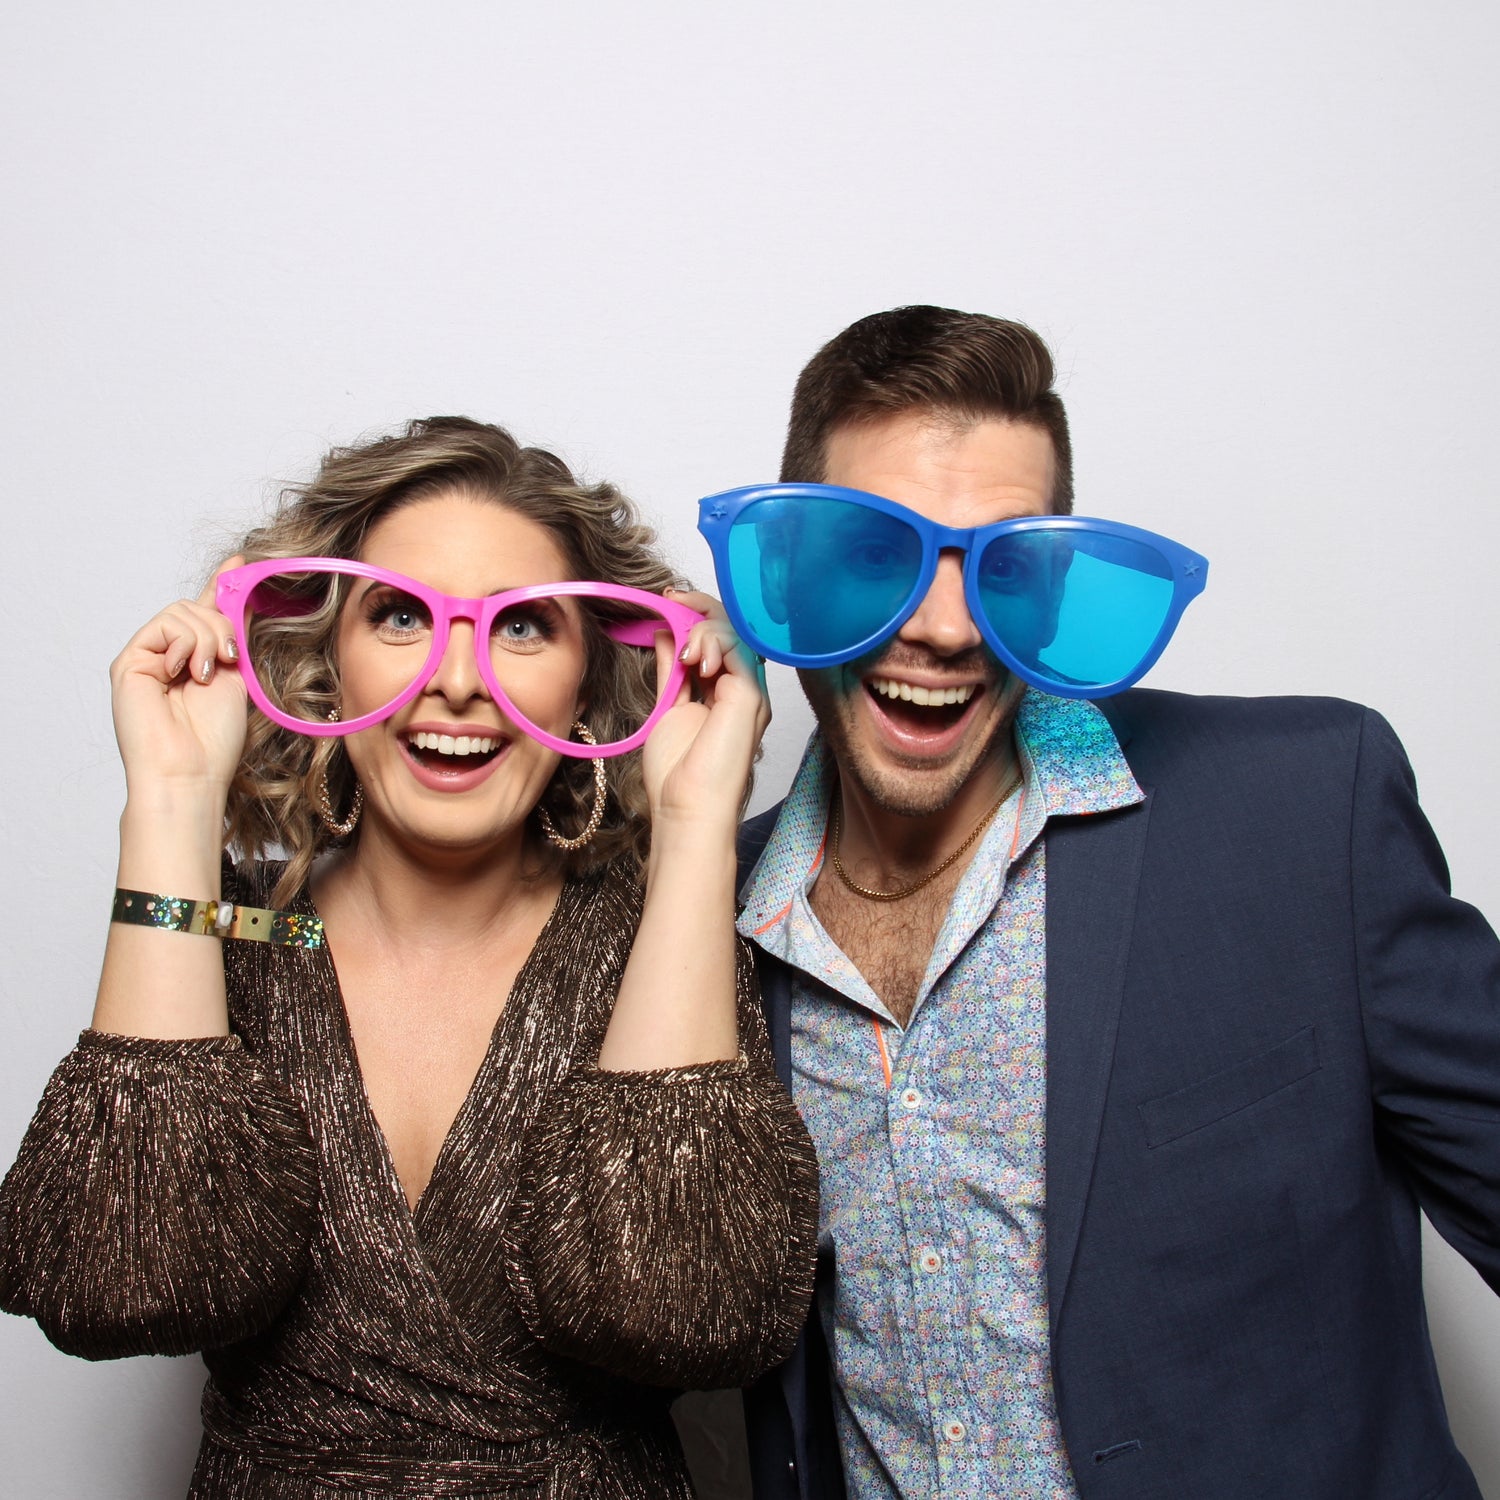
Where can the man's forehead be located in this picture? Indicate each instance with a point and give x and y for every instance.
(958, 471)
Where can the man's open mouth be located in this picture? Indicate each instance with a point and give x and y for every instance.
(921, 709)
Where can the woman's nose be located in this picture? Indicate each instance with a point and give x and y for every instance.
(457, 677)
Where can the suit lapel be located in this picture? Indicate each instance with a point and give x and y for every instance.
(776, 1001)
(1093, 870)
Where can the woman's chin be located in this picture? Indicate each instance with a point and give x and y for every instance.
(438, 829)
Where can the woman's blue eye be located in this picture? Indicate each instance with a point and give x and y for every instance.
(530, 626)
(396, 617)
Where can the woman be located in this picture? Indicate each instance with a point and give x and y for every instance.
(451, 1190)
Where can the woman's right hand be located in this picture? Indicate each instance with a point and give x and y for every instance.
(178, 700)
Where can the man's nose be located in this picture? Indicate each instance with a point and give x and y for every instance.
(942, 621)
(457, 677)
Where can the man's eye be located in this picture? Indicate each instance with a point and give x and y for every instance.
(1005, 570)
(874, 556)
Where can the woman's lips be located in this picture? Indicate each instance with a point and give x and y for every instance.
(451, 772)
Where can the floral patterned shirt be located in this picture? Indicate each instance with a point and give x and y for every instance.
(932, 1138)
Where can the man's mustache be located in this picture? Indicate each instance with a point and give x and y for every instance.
(968, 665)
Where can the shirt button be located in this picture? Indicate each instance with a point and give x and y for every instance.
(954, 1431)
(929, 1260)
(911, 1099)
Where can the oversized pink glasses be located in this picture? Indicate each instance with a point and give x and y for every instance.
(517, 634)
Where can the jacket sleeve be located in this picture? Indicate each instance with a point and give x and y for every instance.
(162, 1200)
(1429, 974)
(667, 1220)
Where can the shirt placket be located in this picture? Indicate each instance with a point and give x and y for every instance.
(935, 1260)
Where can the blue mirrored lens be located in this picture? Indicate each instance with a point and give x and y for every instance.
(1080, 609)
(814, 577)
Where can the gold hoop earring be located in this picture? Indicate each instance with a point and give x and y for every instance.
(324, 803)
(596, 817)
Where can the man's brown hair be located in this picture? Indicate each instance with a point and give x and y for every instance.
(964, 366)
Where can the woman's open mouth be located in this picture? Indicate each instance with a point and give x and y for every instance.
(452, 762)
(452, 752)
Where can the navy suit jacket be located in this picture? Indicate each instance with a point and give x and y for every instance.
(1272, 1035)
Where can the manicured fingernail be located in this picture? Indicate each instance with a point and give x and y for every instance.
(175, 670)
(206, 670)
(683, 654)
(231, 648)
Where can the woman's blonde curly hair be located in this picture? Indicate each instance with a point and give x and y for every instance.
(597, 530)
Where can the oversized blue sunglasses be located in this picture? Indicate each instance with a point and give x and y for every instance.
(814, 574)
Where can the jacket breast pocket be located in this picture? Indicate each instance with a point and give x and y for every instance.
(1226, 1093)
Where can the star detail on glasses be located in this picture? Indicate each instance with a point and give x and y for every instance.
(718, 512)
(1191, 569)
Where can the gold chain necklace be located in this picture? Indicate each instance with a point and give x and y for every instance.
(927, 879)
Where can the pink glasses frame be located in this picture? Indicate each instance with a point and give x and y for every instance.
(235, 586)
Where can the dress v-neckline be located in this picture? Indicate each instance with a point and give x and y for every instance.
(453, 1138)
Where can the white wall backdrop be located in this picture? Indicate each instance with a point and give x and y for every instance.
(1261, 239)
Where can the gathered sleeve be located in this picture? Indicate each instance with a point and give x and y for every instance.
(162, 1201)
(667, 1220)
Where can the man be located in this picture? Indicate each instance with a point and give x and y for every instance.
(1131, 1033)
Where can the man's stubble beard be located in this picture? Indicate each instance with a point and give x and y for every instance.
(920, 793)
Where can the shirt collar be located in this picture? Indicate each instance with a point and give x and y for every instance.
(1071, 762)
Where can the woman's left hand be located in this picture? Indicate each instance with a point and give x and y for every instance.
(676, 1005)
(697, 761)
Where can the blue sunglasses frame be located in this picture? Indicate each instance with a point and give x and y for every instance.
(718, 513)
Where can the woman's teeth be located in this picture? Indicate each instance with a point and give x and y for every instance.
(932, 697)
(450, 744)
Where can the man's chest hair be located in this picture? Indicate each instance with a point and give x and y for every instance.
(889, 942)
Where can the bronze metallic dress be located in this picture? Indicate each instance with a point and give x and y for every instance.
(588, 1240)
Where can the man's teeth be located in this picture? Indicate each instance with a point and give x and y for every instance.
(911, 693)
(451, 744)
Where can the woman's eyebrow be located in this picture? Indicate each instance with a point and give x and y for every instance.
(536, 599)
(401, 585)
